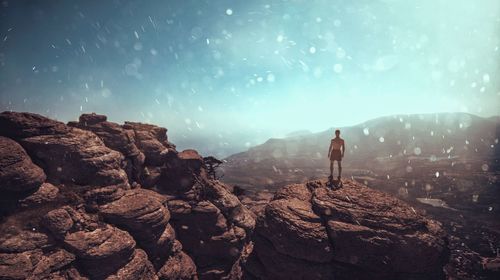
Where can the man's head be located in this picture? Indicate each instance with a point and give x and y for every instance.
(337, 133)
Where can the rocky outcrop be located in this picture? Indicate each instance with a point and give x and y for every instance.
(17, 171)
(115, 137)
(67, 155)
(311, 231)
(77, 208)
(210, 222)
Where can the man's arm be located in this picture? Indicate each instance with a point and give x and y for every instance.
(343, 148)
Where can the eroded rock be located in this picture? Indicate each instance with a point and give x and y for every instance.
(354, 231)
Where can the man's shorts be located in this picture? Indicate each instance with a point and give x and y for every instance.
(336, 155)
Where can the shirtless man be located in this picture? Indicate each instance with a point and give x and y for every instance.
(336, 153)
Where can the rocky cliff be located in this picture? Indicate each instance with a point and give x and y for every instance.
(98, 200)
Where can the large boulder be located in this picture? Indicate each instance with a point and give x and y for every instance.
(138, 268)
(17, 125)
(151, 141)
(67, 155)
(115, 137)
(179, 267)
(102, 251)
(17, 172)
(143, 215)
(352, 232)
(213, 227)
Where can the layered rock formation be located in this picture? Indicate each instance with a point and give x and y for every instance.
(99, 200)
(73, 204)
(309, 231)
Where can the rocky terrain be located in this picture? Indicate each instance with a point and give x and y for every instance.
(445, 165)
(309, 231)
(98, 200)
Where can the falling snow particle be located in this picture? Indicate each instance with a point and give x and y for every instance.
(366, 131)
(312, 50)
(338, 68)
(417, 151)
(381, 139)
(229, 12)
(437, 174)
(484, 167)
(137, 46)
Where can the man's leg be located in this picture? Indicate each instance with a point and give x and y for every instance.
(340, 168)
(331, 168)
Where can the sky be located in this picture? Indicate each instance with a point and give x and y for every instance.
(231, 74)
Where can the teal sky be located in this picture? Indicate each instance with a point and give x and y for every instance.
(244, 71)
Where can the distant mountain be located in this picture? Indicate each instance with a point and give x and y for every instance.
(299, 133)
(390, 139)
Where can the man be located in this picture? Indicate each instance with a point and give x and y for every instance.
(336, 153)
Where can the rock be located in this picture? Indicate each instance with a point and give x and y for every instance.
(178, 267)
(16, 265)
(30, 255)
(116, 138)
(26, 240)
(99, 196)
(91, 119)
(142, 214)
(179, 173)
(102, 251)
(78, 157)
(138, 268)
(23, 125)
(51, 263)
(86, 219)
(353, 232)
(151, 141)
(58, 222)
(17, 172)
(67, 155)
(295, 230)
(45, 194)
(213, 227)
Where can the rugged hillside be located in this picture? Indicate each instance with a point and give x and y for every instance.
(99, 200)
(381, 146)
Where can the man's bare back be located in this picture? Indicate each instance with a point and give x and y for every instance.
(336, 152)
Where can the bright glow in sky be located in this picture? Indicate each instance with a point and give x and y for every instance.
(256, 69)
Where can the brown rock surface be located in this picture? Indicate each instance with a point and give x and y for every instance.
(67, 155)
(17, 172)
(351, 232)
(115, 137)
(178, 267)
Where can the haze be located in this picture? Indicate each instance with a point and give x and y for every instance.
(226, 75)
